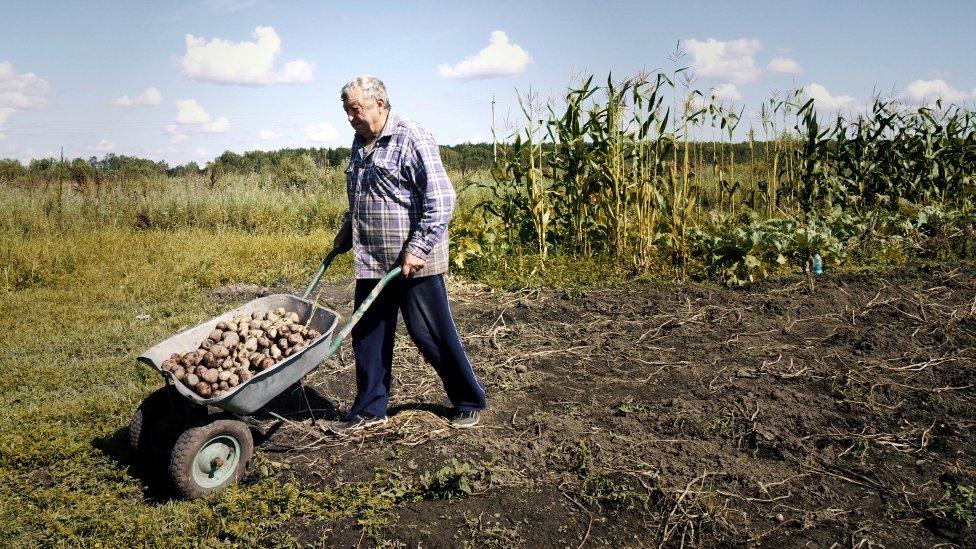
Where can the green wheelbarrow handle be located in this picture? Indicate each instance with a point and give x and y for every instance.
(337, 339)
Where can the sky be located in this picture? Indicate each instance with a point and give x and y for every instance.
(182, 81)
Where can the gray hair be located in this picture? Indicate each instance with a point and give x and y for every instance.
(371, 87)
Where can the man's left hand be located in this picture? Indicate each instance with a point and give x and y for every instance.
(411, 264)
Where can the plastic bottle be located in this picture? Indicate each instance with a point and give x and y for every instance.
(817, 263)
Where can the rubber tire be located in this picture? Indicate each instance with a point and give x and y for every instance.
(150, 437)
(193, 440)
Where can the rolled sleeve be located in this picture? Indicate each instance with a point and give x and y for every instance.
(437, 192)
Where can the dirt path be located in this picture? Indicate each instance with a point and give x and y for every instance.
(667, 414)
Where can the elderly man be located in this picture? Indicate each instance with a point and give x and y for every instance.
(400, 203)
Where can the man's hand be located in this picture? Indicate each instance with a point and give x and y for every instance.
(411, 264)
(343, 239)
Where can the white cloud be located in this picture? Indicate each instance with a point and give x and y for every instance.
(103, 146)
(269, 134)
(19, 92)
(731, 61)
(202, 154)
(246, 63)
(175, 135)
(726, 92)
(322, 132)
(499, 58)
(784, 64)
(220, 125)
(150, 97)
(190, 112)
(824, 100)
(924, 91)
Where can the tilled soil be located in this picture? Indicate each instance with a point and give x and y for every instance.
(673, 415)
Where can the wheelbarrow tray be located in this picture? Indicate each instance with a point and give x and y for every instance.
(251, 395)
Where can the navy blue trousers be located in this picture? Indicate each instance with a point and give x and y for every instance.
(427, 315)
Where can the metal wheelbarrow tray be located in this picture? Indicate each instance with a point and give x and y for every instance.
(251, 395)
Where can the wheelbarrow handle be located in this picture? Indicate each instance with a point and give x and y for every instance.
(318, 275)
(337, 339)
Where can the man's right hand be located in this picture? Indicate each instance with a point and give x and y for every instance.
(343, 239)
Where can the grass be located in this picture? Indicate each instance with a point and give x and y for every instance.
(69, 383)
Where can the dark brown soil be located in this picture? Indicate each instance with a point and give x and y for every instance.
(660, 415)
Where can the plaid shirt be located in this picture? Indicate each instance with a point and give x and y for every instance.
(400, 200)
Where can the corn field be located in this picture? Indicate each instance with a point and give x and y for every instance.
(645, 171)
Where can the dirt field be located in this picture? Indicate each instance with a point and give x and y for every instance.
(655, 415)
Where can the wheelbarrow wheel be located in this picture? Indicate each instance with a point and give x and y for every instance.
(158, 422)
(210, 457)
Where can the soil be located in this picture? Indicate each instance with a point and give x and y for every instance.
(672, 415)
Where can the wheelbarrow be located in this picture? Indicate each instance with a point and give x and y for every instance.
(205, 444)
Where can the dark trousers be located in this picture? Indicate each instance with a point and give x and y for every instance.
(427, 315)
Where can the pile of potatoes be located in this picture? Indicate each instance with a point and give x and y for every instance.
(236, 350)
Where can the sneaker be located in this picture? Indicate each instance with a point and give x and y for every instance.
(359, 423)
(465, 419)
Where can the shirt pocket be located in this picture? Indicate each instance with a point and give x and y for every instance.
(387, 182)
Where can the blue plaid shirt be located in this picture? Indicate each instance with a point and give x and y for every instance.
(400, 200)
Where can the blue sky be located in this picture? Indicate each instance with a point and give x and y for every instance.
(217, 82)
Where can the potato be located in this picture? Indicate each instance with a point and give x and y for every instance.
(260, 315)
(220, 351)
(214, 386)
(275, 352)
(210, 375)
(168, 364)
(266, 363)
(207, 344)
(199, 371)
(230, 339)
(215, 335)
(280, 311)
(191, 380)
(179, 373)
(227, 363)
(203, 389)
(245, 363)
(283, 343)
(198, 359)
(312, 334)
(221, 325)
(271, 333)
(234, 380)
(223, 375)
(223, 386)
(245, 375)
(294, 317)
(295, 339)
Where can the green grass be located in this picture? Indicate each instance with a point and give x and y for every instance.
(69, 384)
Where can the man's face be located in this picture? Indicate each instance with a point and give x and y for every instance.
(366, 116)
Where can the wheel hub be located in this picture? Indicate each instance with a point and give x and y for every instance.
(216, 461)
